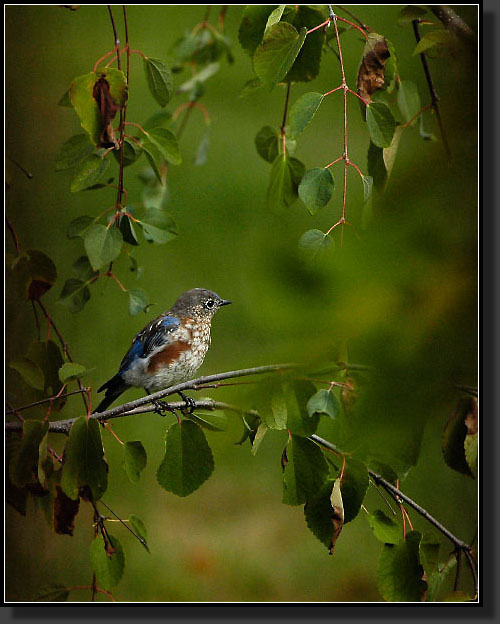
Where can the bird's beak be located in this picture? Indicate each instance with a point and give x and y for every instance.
(224, 302)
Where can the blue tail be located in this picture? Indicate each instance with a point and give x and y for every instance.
(114, 387)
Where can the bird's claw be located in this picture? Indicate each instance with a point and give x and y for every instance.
(161, 407)
(190, 403)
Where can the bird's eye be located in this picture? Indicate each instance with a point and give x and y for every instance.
(210, 304)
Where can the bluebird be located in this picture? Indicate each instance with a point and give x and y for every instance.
(169, 350)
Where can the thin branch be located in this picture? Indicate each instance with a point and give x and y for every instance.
(432, 90)
(42, 401)
(130, 408)
(453, 22)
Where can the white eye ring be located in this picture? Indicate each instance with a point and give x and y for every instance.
(210, 304)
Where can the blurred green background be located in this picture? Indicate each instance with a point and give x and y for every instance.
(401, 294)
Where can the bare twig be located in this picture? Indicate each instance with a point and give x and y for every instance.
(453, 22)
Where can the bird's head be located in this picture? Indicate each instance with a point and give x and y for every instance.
(198, 303)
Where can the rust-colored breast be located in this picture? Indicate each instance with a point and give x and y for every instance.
(168, 356)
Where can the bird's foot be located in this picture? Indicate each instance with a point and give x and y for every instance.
(190, 403)
(161, 407)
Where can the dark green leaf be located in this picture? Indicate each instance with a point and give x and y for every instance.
(399, 576)
(140, 529)
(353, 485)
(408, 100)
(138, 301)
(305, 472)
(253, 25)
(160, 119)
(82, 269)
(49, 358)
(212, 421)
(323, 402)
(85, 464)
(75, 294)
(303, 112)
(437, 578)
(24, 463)
(188, 460)
(429, 553)
(131, 152)
(108, 561)
(78, 226)
(318, 513)
(307, 64)
(33, 273)
(274, 57)
(297, 394)
(314, 242)
(410, 13)
(316, 188)
(454, 436)
(71, 372)
(14, 496)
(89, 172)
(384, 528)
(134, 460)
(158, 226)
(65, 100)
(160, 80)
(102, 244)
(266, 142)
(127, 229)
(54, 592)
(381, 124)
(29, 371)
(73, 151)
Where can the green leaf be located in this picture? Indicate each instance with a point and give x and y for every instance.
(78, 226)
(160, 80)
(65, 100)
(470, 448)
(381, 161)
(158, 226)
(454, 436)
(166, 142)
(102, 244)
(266, 142)
(353, 485)
(54, 592)
(384, 528)
(252, 26)
(318, 512)
(274, 57)
(323, 402)
(196, 82)
(71, 372)
(212, 421)
(262, 429)
(140, 529)
(75, 294)
(73, 151)
(33, 273)
(108, 562)
(305, 472)
(286, 174)
(433, 38)
(303, 112)
(314, 242)
(437, 578)
(188, 460)
(82, 269)
(128, 231)
(408, 100)
(85, 464)
(316, 188)
(138, 301)
(274, 17)
(156, 158)
(160, 119)
(134, 460)
(202, 149)
(23, 467)
(410, 13)
(429, 553)
(399, 576)
(29, 371)
(89, 172)
(381, 124)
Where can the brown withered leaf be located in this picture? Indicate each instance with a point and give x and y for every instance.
(284, 459)
(65, 510)
(337, 515)
(371, 75)
(108, 109)
(471, 420)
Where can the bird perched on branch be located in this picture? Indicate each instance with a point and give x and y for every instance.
(169, 350)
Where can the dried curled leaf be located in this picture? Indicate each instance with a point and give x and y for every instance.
(108, 109)
(371, 75)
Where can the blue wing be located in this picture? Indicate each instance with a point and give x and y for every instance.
(154, 335)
